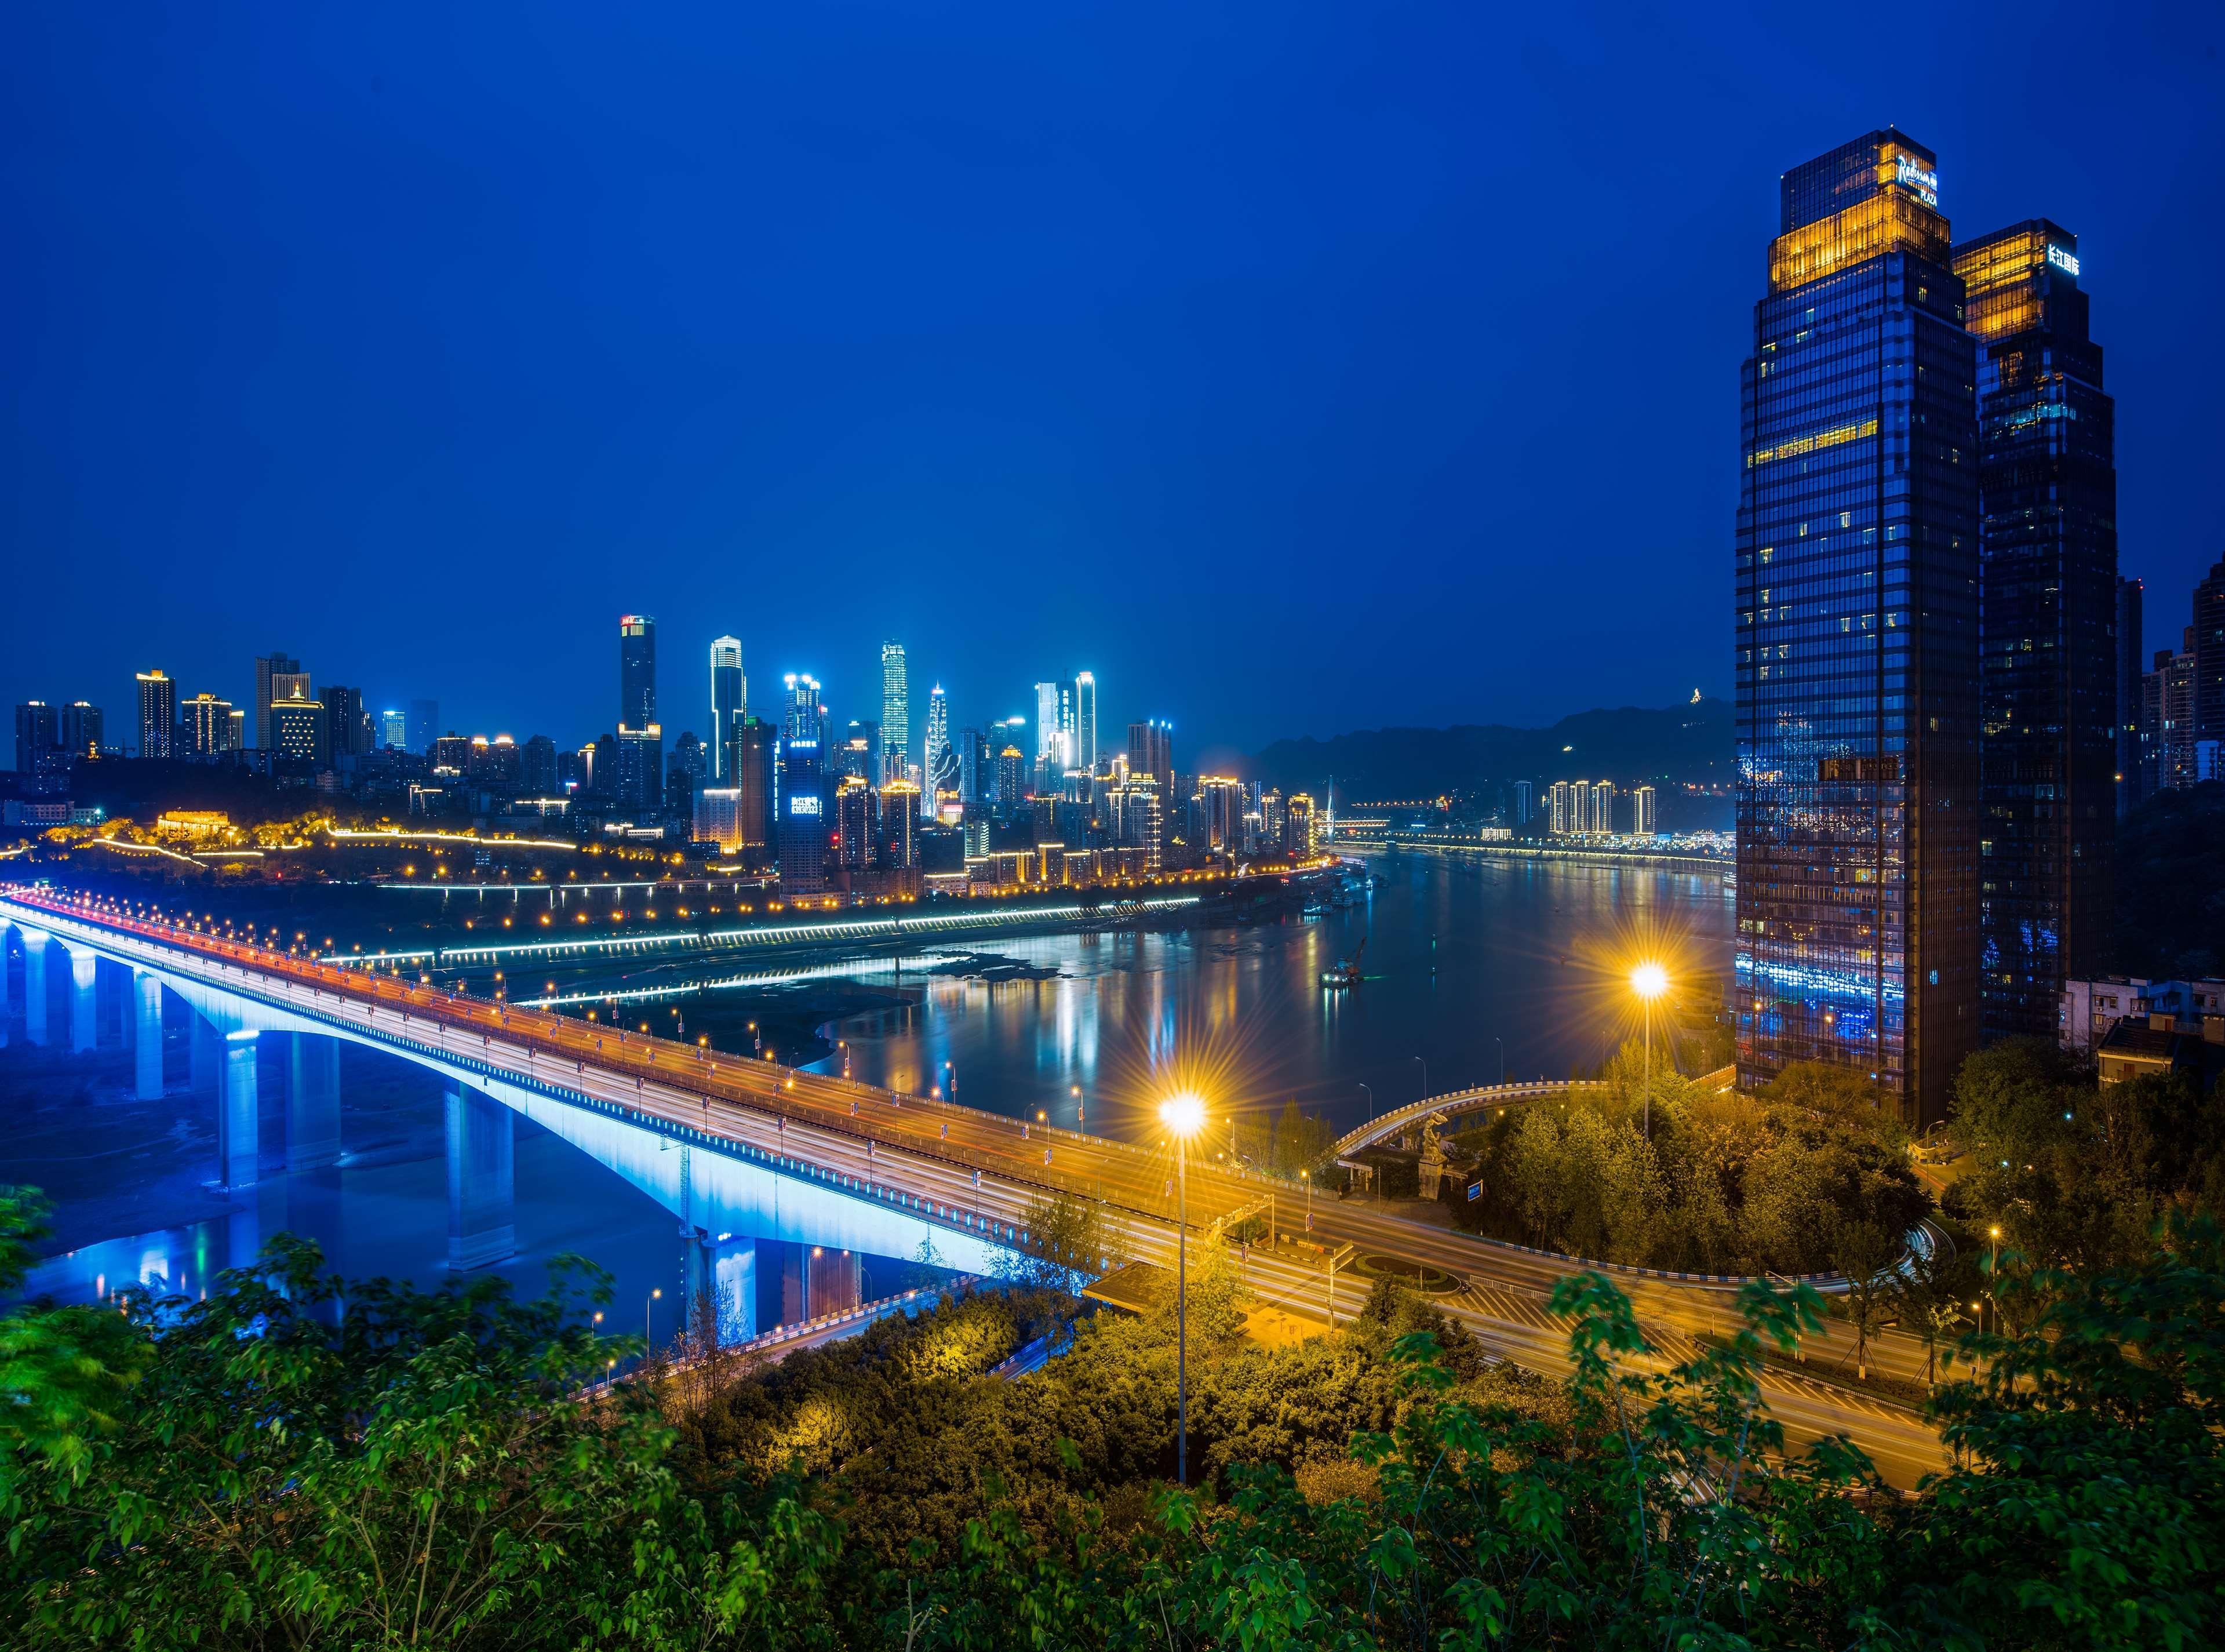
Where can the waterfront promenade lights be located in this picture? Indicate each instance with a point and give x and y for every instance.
(1184, 1116)
(1649, 981)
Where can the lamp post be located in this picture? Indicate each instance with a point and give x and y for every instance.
(1501, 1043)
(1649, 982)
(1993, 1277)
(1370, 1101)
(646, 1302)
(1306, 1176)
(1182, 1115)
(1425, 1078)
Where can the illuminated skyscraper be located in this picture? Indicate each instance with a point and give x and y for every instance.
(896, 710)
(38, 739)
(801, 713)
(1050, 745)
(1857, 638)
(1151, 751)
(1085, 723)
(637, 671)
(393, 730)
(729, 700)
(205, 724)
(639, 786)
(2048, 599)
(81, 729)
(942, 760)
(158, 713)
(1643, 820)
(273, 681)
(803, 826)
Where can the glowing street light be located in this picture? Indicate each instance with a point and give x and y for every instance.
(1183, 1115)
(1649, 981)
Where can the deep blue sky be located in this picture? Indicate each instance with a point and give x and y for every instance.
(1296, 368)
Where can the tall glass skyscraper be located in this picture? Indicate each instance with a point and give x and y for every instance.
(896, 710)
(1085, 722)
(1857, 618)
(2048, 665)
(729, 700)
(637, 671)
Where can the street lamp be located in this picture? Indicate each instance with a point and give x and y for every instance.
(1425, 1078)
(1370, 1101)
(1183, 1115)
(1306, 1176)
(653, 1297)
(1649, 982)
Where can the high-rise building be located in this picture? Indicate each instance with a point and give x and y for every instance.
(537, 770)
(2047, 584)
(2131, 657)
(900, 826)
(639, 763)
(1602, 807)
(299, 730)
(1011, 778)
(2207, 645)
(393, 730)
(267, 667)
(424, 726)
(801, 715)
(802, 839)
(941, 760)
(857, 846)
(718, 818)
(238, 730)
(729, 700)
(896, 711)
(158, 713)
(2167, 724)
(1050, 743)
(206, 724)
(637, 671)
(1518, 804)
(81, 725)
(38, 738)
(1151, 751)
(1302, 831)
(1561, 806)
(1857, 659)
(1085, 723)
(1222, 796)
(974, 770)
(1644, 822)
(347, 729)
(756, 758)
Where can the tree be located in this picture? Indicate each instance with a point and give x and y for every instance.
(1063, 1245)
(1865, 1252)
(1933, 1291)
(2089, 1509)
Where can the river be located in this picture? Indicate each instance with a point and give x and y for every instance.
(1471, 968)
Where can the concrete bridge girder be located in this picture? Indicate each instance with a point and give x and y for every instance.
(720, 1190)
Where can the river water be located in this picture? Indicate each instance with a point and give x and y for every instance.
(1471, 968)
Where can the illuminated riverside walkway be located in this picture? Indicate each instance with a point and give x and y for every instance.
(713, 1136)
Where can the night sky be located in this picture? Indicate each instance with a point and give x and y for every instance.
(1296, 369)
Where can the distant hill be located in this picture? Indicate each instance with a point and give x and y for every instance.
(1675, 745)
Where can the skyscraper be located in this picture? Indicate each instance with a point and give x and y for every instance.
(1151, 751)
(205, 724)
(38, 738)
(268, 666)
(802, 713)
(2131, 657)
(729, 700)
(1857, 661)
(298, 729)
(424, 726)
(756, 754)
(81, 729)
(2207, 644)
(1643, 819)
(637, 671)
(896, 710)
(393, 730)
(347, 730)
(158, 713)
(639, 787)
(2047, 674)
(1050, 745)
(941, 760)
(1085, 723)
(803, 828)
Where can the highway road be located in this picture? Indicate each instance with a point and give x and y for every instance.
(980, 1171)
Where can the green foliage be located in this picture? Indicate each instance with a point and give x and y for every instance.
(2075, 1173)
(2090, 1509)
(1068, 1244)
(1726, 1184)
(310, 1467)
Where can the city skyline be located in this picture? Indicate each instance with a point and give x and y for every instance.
(918, 447)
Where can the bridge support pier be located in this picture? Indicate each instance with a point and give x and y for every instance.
(36, 998)
(482, 1180)
(147, 1035)
(207, 1056)
(84, 1001)
(734, 1286)
(238, 1114)
(313, 1103)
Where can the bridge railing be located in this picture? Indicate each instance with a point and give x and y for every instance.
(1459, 1101)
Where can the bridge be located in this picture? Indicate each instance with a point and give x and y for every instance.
(1447, 842)
(729, 1144)
(1481, 1098)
